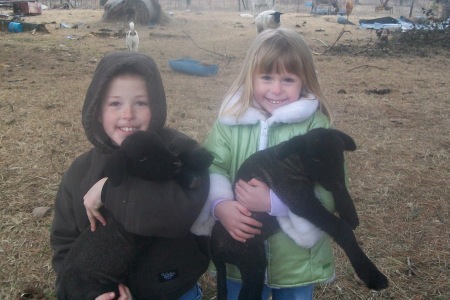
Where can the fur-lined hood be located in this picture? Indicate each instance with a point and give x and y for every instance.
(110, 66)
(295, 112)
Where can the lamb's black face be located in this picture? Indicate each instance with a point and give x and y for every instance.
(321, 152)
(325, 148)
(149, 158)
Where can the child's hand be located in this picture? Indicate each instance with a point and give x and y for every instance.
(255, 195)
(124, 294)
(93, 201)
(237, 220)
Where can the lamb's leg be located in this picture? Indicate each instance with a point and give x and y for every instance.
(249, 257)
(253, 268)
(310, 208)
(221, 278)
(345, 207)
(219, 244)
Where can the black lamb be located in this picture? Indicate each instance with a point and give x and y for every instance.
(291, 169)
(98, 261)
(145, 155)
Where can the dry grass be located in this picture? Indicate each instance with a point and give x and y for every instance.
(399, 174)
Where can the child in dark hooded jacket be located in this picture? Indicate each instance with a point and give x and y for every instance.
(126, 94)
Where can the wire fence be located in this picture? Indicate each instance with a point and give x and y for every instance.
(402, 6)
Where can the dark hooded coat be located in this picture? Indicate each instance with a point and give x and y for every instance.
(161, 210)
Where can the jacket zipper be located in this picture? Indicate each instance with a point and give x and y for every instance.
(263, 136)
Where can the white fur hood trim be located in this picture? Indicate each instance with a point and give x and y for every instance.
(222, 190)
(295, 112)
(303, 232)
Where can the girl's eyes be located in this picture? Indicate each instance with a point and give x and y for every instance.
(289, 80)
(286, 79)
(143, 103)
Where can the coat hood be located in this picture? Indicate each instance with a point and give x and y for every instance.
(110, 66)
(295, 112)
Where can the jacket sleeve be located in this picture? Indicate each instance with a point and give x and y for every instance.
(64, 229)
(158, 208)
(218, 144)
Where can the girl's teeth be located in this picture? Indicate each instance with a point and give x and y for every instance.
(127, 129)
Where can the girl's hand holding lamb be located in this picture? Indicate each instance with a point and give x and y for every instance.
(237, 220)
(255, 195)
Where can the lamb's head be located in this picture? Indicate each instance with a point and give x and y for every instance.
(142, 154)
(321, 152)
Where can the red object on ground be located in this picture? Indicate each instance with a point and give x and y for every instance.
(27, 8)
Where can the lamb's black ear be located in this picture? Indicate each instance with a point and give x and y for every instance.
(293, 145)
(115, 168)
(196, 159)
(349, 143)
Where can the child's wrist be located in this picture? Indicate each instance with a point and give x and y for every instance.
(277, 207)
(104, 191)
(213, 207)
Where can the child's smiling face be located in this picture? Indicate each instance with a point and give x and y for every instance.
(125, 108)
(274, 90)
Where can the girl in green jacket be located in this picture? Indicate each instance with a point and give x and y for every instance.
(275, 97)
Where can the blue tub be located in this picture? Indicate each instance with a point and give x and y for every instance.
(15, 27)
(193, 67)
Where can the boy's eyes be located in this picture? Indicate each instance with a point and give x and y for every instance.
(114, 103)
(143, 103)
(138, 102)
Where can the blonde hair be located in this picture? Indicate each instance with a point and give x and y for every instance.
(274, 50)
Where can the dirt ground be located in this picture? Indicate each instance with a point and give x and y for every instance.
(394, 103)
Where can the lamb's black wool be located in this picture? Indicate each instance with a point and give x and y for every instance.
(145, 155)
(98, 261)
(291, 169)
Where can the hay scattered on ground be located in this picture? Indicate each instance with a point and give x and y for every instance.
(399, 174)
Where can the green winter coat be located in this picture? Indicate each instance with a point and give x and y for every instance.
(231, 141)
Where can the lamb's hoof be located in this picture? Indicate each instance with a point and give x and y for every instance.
(358, 280)
(378, 282)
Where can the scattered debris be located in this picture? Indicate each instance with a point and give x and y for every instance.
(40, 212)
(73, 37)
(344, 21)
(142, 12)
(25, 27)
(166, 35)
(193, 67)
(71, 26)
(377, 23)
(106, 33)
(379, 91)
(27, 8)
